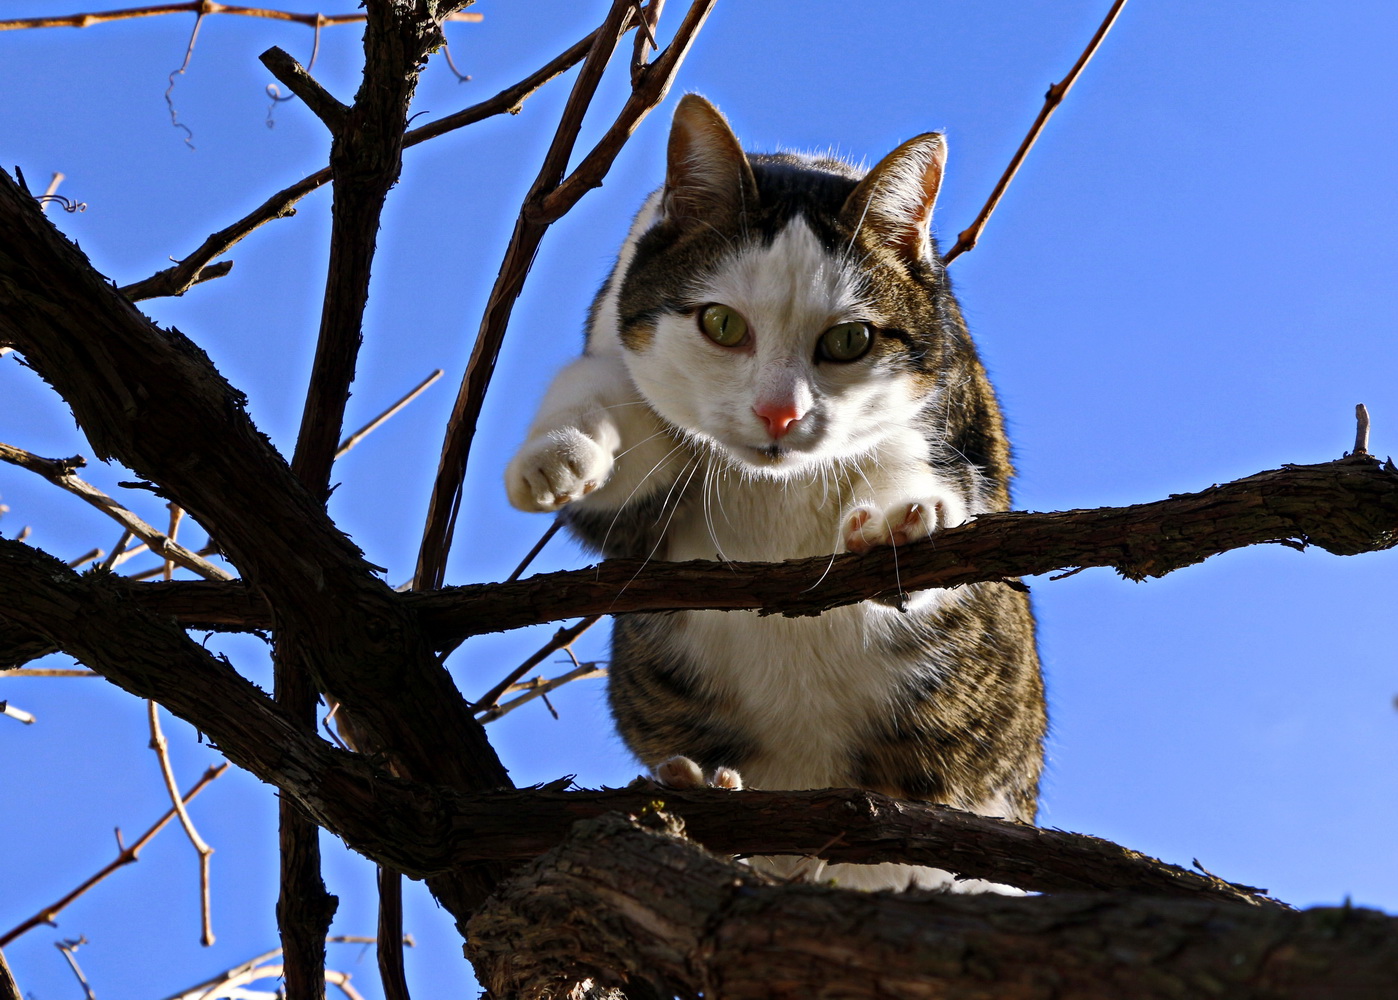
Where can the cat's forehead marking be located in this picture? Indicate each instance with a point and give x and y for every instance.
(791, 284)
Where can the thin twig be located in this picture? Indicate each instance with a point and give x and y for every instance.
(540, 688)
(195, 7)
(563, 638)
(176, 516)
(120, 547)
(68, 948)
(92, 555)
(378, 421)
(178, 279)
(127, 856)
(46, 672)
(551, 195)
(1361, 431)
(59, 471)
(161, 747)
(538, 547)
(968, 237)
(51, 192)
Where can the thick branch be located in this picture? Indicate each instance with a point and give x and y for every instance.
(633, 905)
(366, 156)
(151, 399)
(1346, 507)
(425, 831)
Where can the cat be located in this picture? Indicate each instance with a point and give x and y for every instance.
(776, 368)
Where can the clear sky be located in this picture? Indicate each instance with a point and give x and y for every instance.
(1191, 280)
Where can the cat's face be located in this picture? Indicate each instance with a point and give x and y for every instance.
(777, 358)
(781, 310)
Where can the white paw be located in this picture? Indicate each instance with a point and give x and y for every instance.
(866, 527)
(683, 774)
(555, 469)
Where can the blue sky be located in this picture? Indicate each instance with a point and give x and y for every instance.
(1190, 281)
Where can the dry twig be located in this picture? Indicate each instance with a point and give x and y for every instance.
(127, 855)
(562, 639)
(199, 8)
(69, 948)
(550, 197)
(161, 746)
(540, 688)
(968, 237)
(383, 417)
(196, 267)
(59, 471)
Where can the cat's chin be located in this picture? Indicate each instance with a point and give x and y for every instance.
(774, 460)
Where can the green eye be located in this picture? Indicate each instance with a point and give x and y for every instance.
(845, 342)
(723, 325)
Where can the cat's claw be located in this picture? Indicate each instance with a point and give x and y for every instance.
(555, 469)
(867, 527)
(683, 774)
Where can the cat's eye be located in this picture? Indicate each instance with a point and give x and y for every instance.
(845, 342)
(723, 325)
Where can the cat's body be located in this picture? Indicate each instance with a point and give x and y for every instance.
(776, 368)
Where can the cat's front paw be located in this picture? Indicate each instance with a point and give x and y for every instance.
(866, 526)
(556, 468)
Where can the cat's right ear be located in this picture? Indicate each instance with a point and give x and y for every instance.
(707, 176)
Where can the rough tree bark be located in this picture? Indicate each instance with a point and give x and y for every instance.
(623, 902)
(628, 903)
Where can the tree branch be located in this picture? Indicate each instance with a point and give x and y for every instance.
(970, 235)
(632, 905)
(548, 199)
(1346, 507)
(195, 268)
(151, 398)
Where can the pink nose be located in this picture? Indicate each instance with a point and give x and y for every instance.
(778, 417)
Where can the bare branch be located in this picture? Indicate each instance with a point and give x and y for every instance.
(9, 989)
(969, 236)
(383, 417)
(161, 746)
(177, 280)
(128, 855)
(1295, 504)
(661, 918)
(195, 7)
(540, 688)
(389, 944)
(1361, 432)
(563, 638)
(300, 82)
(69, 949)
(548, 199)
(59, 471)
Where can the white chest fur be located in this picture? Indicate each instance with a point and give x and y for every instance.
(803, 687)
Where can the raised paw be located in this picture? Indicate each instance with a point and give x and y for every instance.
(683, 774)
(866, 527)
(556, 468)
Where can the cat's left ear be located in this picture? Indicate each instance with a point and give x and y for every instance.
(895, 199)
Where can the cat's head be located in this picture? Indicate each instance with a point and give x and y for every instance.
(788, 310)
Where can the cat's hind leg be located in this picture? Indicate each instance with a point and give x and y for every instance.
(682, 773)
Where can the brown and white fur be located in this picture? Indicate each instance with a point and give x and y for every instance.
(662, 443)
